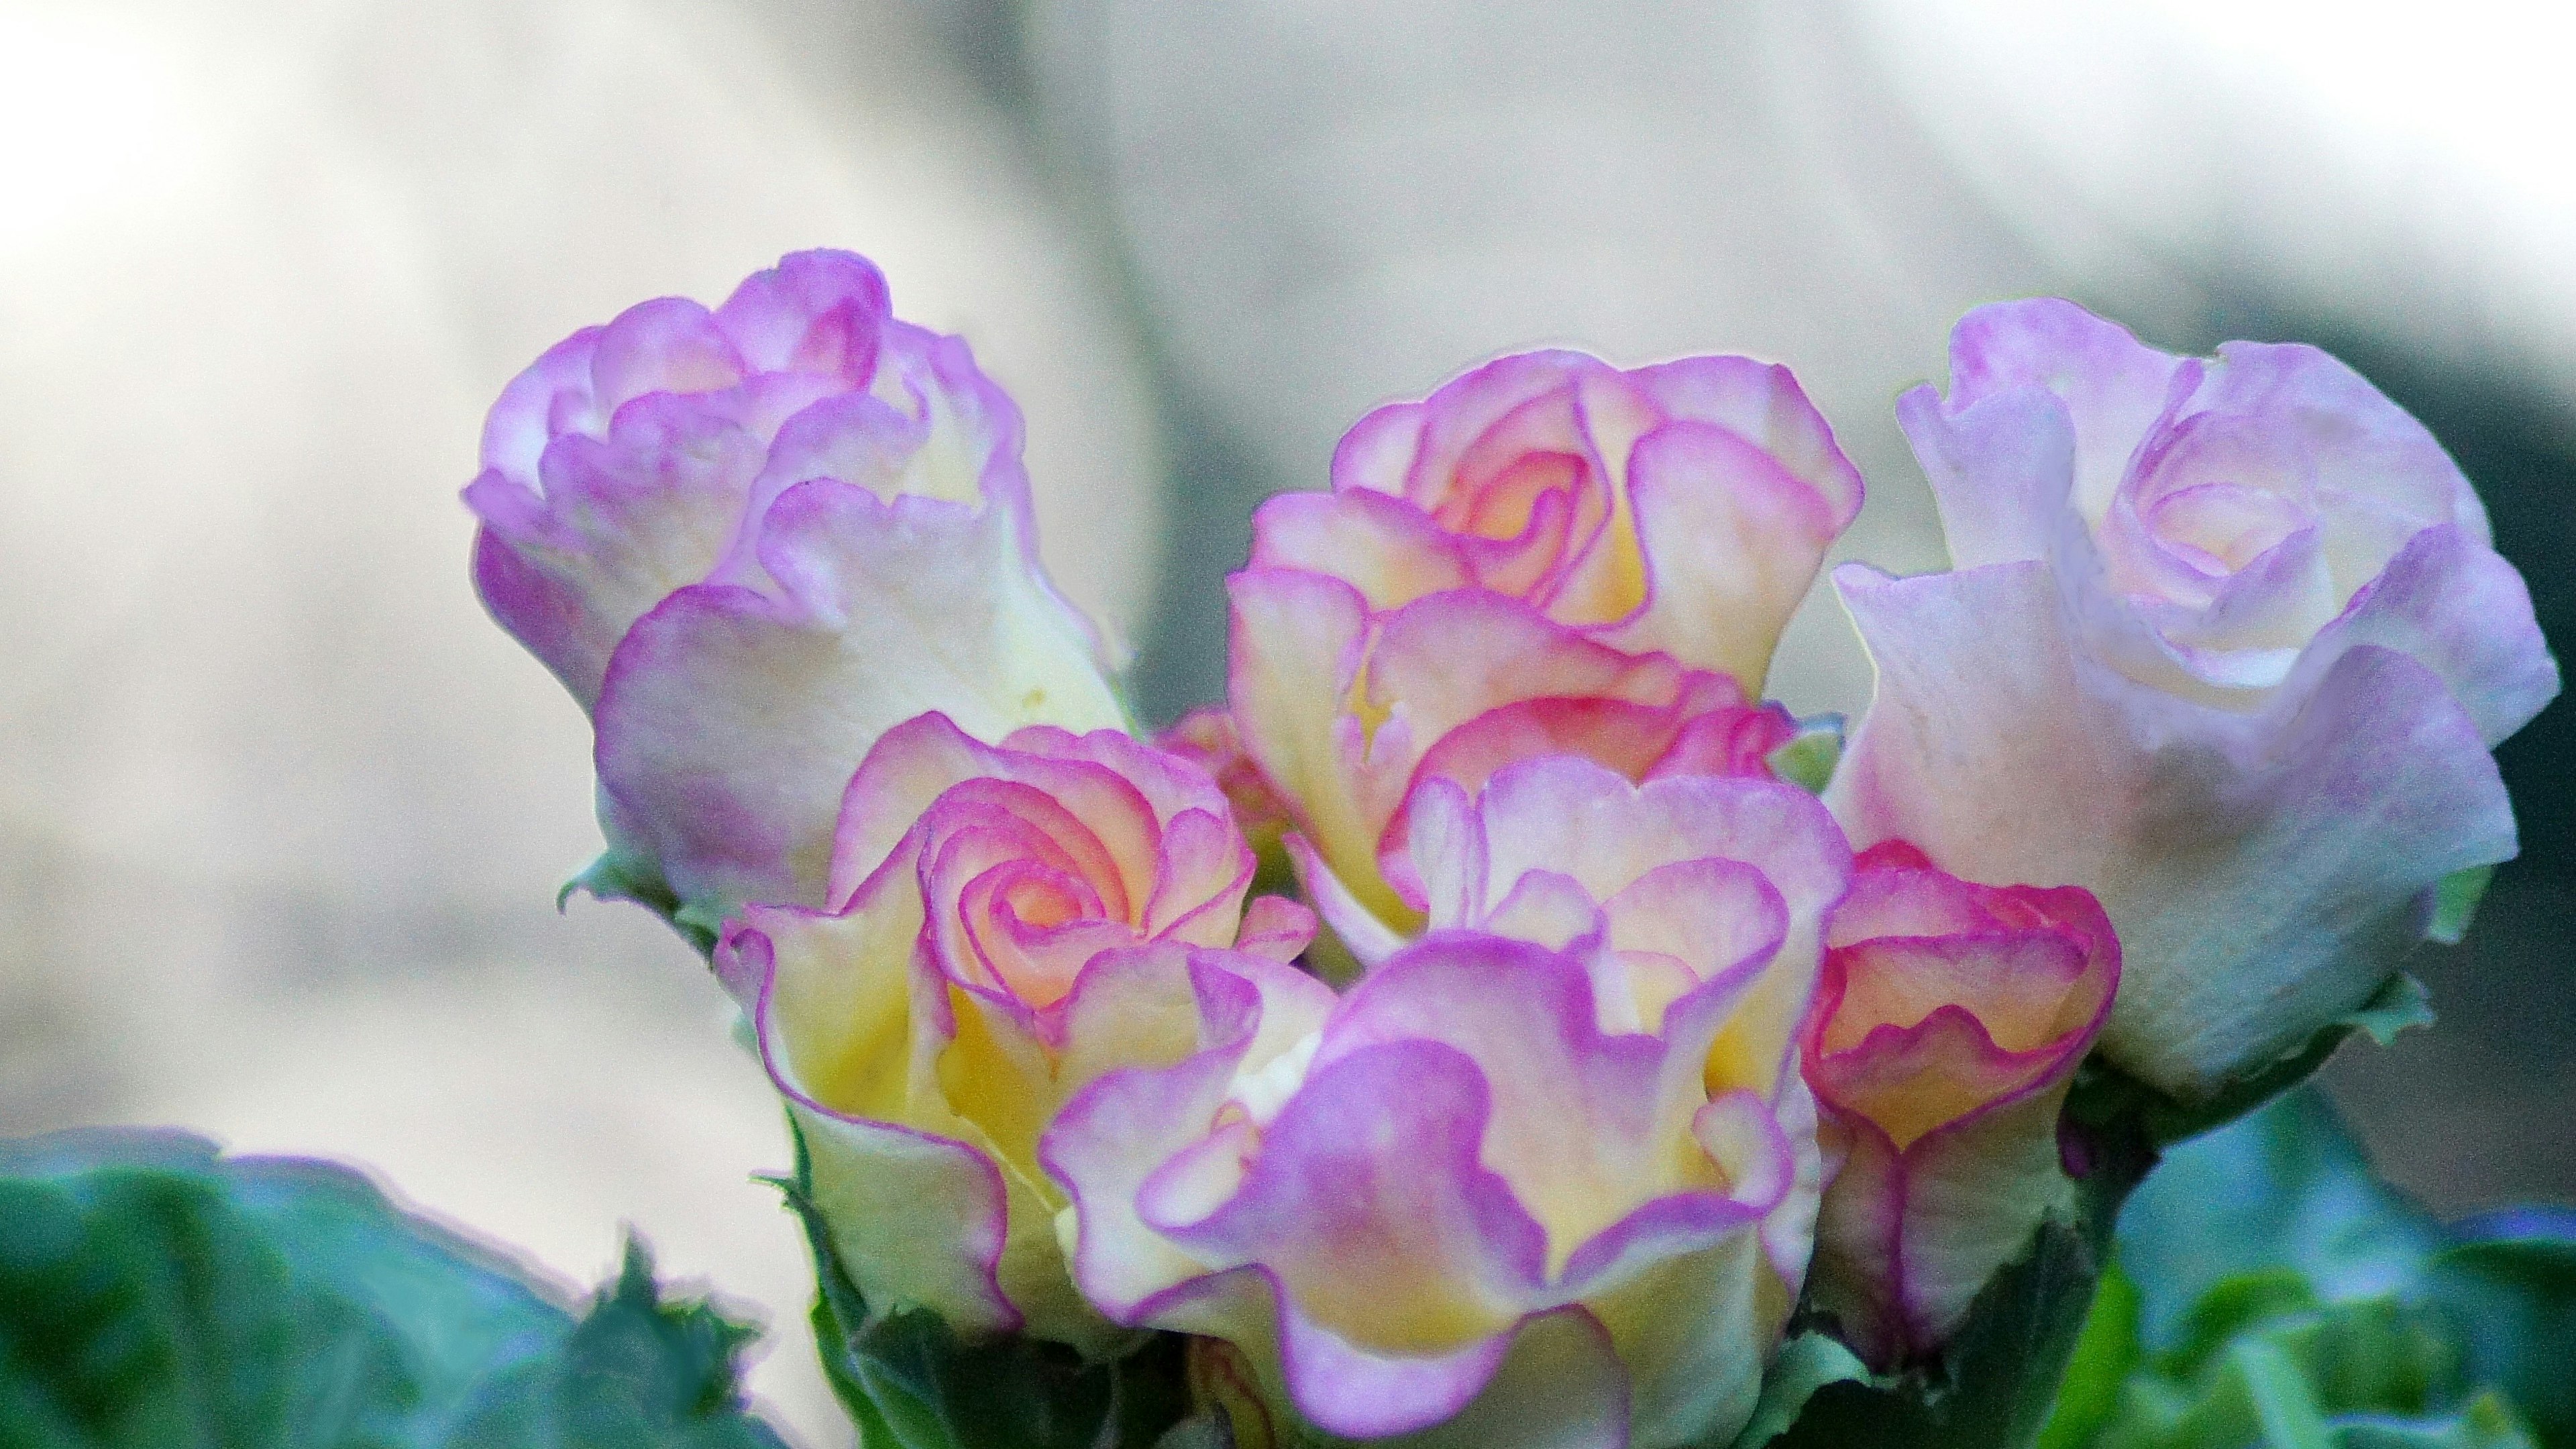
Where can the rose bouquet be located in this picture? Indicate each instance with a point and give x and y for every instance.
(1496, 1024)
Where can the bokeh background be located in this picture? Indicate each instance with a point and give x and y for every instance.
(280, 813)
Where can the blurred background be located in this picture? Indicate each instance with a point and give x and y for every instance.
(280, 813)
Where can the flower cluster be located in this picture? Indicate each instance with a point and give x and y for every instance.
(1592, 1051)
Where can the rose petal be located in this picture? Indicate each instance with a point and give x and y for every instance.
(731, 720)
(2110, 386)
(1732, 541)
(2261, 870)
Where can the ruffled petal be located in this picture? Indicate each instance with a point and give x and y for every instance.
(1561, 1385)
(2000, 468)
(1694, 1332)
(1360, 930)
(2355, 439)
(1369, 1205)
(1381, 545)
(1908, 1239)
(916, 1219)
(619, 523)
(2262, 870)
(817, 311)
(1732, 540)
(1570, 815)
(2109, 387)
(1294, 674)
(1118, 1129)
(918, 1214)
(668, 345)
(732, 719)
(2455, 606)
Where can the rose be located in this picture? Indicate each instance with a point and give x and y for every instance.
(1678, 881)
(1947, 1027)
(2226, 645)
(1554, 1185)
(1548, 555)
(1007, 924)
(750, 540)
(1461, 1203)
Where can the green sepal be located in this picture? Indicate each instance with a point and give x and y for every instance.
(1809, 758)
(2455, 903)
(155, 1294)
(1806, 1363)
(2103, 1093)
(912, 1382)
(617, 876)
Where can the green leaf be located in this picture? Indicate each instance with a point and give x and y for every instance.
(2286, 1188)
(2513, 1304)
(912, 1383)
(2455, 903)
(2282, 1371)
(2486, 1423)
(155, 1294)
(635, 1370)
(2106, 1352)
(2287, 1298)
(2284, 1409)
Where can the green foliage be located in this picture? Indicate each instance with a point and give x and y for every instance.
(2278, 1295)
(1805, 1364)
(2286, 1188)
(154, 1294)
(2105, 1353)
(2513, 1306)
(634, 1370)
(2263, 1364)
(913, 1383)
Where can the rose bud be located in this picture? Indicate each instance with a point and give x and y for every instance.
(1946, 1029)
(750, 540)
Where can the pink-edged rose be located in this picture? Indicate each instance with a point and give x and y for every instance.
(1453, 1207)
(1946, 1029)
(1547, 555)
(2226, 643)
(1546, 1176)
(1662, 887)
(751, 539)
(1006, 924)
